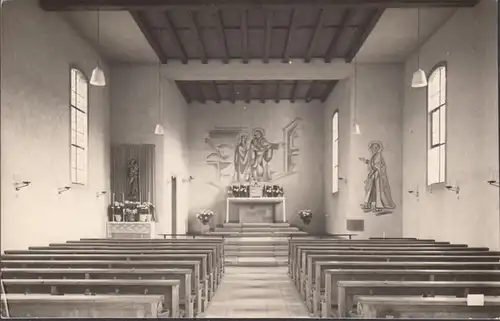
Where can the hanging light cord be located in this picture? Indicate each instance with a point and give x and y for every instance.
(418, 37)
(355, 112)
(159, 91)
(98, 33)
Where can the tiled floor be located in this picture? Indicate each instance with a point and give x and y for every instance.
(256, 292)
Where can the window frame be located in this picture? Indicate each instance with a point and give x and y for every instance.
(429, 145)
(337, 142)
(87, 114)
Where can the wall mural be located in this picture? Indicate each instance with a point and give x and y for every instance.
(378, 197)
(243, 155)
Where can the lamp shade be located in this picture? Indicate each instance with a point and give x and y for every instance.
(98, 78)
(159, 130)
(419, 79)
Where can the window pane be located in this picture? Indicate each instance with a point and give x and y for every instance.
(435, 128)
(335, 126)
(432, 166)
(81, 122)
(442, 163)
(335, 179)
(335, 154)
(80, 140)
(443, 85)
(73, 157)
(80, 159)
(442, 124)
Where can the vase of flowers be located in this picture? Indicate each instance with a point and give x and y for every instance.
(131, 211)
(204, 216)
(145, 211)
(305, 216)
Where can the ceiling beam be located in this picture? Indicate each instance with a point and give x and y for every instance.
(262, 88)
(268, 35)
(175, 39)
(244, 36)
(294, 91)
(362, 33)
(308, 97)
(291, 28)
(222, 35)
(335, 39)
(257, 70)
(123, 5)
(314, 39)
(277, 97)
(152, 40)
(328, 90)
(201, 95)
(216, 92)
(195, 29)
(231, 92)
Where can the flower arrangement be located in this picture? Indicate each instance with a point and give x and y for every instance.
(205, 216)
(305, 216)
(117, 207)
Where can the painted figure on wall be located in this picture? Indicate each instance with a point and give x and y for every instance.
(378, 197)
(133, 178)
(261, 153)
(241, 157)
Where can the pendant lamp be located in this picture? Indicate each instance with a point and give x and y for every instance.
(355, 126)
(159, 127)
(98, 79)
(419, 78)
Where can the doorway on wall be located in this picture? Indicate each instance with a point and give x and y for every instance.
(174, 205)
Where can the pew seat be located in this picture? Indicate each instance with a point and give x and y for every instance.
(169, 289)
(22, 305)
(442, 307)
(348, 290)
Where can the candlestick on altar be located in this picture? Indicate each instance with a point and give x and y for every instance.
(123, 197)
(113, 198)
(149, 197)
(140, 197)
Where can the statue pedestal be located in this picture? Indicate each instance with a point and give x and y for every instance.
(261, 202)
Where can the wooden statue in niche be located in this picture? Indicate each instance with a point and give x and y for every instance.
(378, 198)
(133, 179)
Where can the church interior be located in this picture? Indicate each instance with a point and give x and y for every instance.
(249, 159)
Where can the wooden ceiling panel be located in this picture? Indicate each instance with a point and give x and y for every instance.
(247, 91)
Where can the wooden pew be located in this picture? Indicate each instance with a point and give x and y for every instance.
(313, 297)
(187, 293)
(214, 260)
(83, 306)
(169, 289)
(206, 268)
(333, 276)
(299, 261)
(198, 284)
(347, 290)
(442, 307)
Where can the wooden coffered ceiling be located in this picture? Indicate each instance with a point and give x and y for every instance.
(247, 91)
(222, 30)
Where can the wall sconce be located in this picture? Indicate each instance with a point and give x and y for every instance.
(493, 183)
(23, 184)
(414, 193)
(455, 189)
(63, 189)
(99, 194)
(187, 180)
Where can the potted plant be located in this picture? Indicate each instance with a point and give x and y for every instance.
(204, 216)
(305, 216)
(131, 210)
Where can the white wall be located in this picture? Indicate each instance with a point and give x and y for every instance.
(468, 44)
(303, 189)
(375, 101)
(135, 113)
(37, 51)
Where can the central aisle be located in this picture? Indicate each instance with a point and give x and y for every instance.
(256, 292)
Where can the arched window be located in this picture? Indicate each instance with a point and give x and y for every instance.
(79, 126)
(335, 152)
(436, 125)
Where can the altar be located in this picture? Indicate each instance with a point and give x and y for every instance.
(246, 209)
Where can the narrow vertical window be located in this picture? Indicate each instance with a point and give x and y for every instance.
(436, 126)
(79, 127)
(335, 152)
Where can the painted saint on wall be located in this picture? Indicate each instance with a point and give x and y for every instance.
(378, 198)
(251, 161)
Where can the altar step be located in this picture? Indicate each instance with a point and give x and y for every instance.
(257, 244)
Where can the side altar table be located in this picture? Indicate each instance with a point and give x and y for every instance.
(131, 230)
(274, 201)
